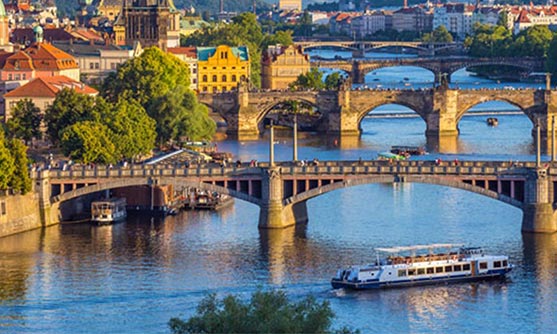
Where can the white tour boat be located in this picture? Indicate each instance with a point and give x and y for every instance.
(108, 210)
(422, 265)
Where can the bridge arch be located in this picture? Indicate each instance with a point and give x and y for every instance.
(268, 107)
(468, 102)
(332, 46)
(387, 45)
(365, 70)
(130, 182)
(434, 180)
(491, 62)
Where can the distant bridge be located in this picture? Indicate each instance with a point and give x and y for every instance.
(359, 48)
(439, 66)
(281, 191)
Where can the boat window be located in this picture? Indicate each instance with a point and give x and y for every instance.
(438, 269)
(466, 267)
(411, 272)
(483, 265)
(448, 269)
(458, 267)
(430, 270)
(401, 272)
(505, 264)
(497, 264)
(421, 271)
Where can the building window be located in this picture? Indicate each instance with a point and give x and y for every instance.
(194, 81)
(204, 79)
(214, 78)
(3, 208)
(233, 77)
(17, 77)
(215, 89)
(205, 88)
(91, 66)
(113, 66)
(9, 77)
(224, 78)
(24, 76)
(243, 78)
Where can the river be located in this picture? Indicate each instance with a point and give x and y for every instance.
(134, 276)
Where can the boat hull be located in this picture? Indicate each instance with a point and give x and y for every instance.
(377, 284)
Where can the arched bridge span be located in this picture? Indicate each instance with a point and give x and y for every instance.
(281, 191)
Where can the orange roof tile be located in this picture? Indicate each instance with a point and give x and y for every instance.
(49, 87)
(188, 51)
(47, 57)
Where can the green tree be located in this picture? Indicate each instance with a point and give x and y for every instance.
(133, 130)
(146, 78)
(88, 142)
(283, 38)
(7, 166)
(439, 35)
(266, 312)
(551, 62)
(311, 80)
(69, 108)
(533, 42)
(26, 121)
(333, 81)
(20, 181)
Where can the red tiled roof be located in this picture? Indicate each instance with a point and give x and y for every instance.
(26, 35)
(18, 61)
(47, 57)
(49, 87)
(188, 51)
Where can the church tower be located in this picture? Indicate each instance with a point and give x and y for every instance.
(151, 23)
(4, 30)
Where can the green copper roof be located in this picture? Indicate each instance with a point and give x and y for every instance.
(2, 8)
(203, 53)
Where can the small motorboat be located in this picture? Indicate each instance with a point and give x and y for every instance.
(492, 121)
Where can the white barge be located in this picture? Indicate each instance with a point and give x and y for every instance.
(108, 211)
(421, 266)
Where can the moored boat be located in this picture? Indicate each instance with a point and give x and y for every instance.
(455, 264)
(108, 211)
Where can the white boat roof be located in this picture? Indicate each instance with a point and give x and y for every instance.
(416, 247)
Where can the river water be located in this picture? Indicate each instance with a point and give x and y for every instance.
(134, 276)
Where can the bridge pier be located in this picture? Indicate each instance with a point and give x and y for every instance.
(443, 121)
(538, 213)
(273, 212)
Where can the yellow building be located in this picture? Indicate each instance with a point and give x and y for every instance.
(220, 69)
(280, 66)
(290, 5)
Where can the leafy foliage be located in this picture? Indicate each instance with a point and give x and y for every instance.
(69, 108)
(314, 80)
(7, 166)
(26, 121)
(439, 35)
(20, 181)
(158, 82)
(88, 142)
(146, 78)
(133, 131)
(266, 312)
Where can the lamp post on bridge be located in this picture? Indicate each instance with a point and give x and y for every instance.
(552, 138)
(272, 146)
(538, 144)
(295, 145)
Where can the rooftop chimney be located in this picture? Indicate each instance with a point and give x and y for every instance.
(405, 4)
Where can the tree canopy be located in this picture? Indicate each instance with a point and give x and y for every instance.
(266, 312)
(439, 35)
(26, 121)
(159, 83)
(316, 80)
(14, 172)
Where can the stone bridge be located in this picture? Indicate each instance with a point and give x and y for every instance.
(342, 111)
(439, 66)
(359, 48)
(281, 190)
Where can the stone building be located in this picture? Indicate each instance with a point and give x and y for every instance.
(280, 66)
(290, 5)
(221, 68)
(110, 9)
(149, 22)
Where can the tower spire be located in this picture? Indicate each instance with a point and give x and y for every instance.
(221, 6)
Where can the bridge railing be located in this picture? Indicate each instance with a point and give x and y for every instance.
(320, 168)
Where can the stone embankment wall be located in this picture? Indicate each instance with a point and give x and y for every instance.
(19, 213)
